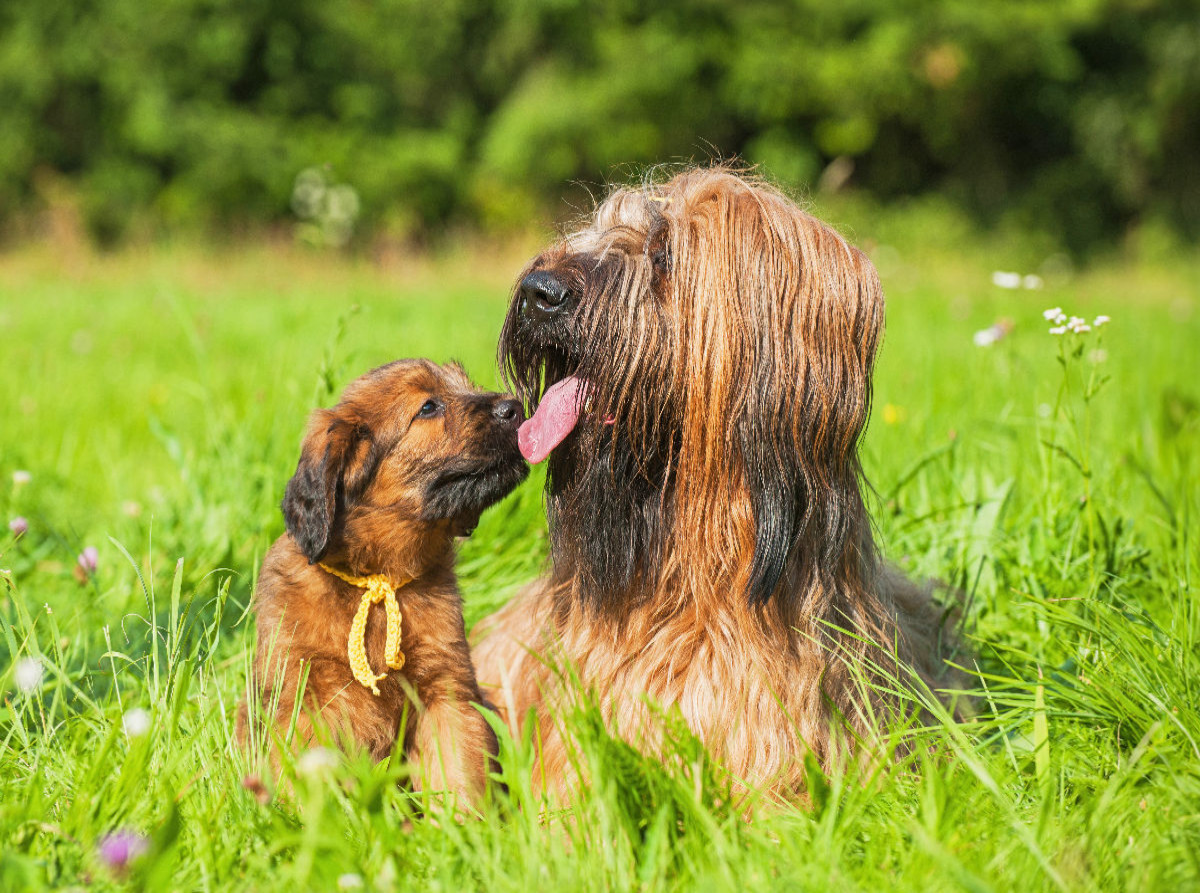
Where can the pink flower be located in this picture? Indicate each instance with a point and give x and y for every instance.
(89, 560)
(120, 848)
(18, 525)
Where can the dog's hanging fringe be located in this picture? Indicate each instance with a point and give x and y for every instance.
(378, 589)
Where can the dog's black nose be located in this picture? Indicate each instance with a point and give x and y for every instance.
(508, 411)
(543, 297)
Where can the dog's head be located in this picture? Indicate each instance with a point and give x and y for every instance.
(699, 357)
(411, 445)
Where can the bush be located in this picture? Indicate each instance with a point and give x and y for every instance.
(1077, 119)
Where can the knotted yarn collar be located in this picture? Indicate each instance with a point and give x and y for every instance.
(378, 589)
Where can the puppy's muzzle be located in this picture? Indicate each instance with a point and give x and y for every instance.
(508, 412)
(544, 298)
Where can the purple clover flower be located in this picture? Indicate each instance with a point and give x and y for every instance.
(122, 847)
(18, 526)
(89, 559)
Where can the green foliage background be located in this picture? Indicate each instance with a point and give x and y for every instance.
(1077, 118)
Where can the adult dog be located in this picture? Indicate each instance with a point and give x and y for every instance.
(700, 357)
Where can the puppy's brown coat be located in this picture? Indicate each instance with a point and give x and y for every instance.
(386, 480)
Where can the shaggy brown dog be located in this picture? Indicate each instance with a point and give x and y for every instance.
(700, 359)
(387, 479)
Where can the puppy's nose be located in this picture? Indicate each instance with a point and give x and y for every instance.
(508, 411)
(543, 297)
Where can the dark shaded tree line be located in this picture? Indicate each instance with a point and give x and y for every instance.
(1078, 117)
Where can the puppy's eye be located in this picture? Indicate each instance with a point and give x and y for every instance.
(429, 409)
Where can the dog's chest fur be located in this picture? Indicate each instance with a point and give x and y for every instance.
(751, 694)
(304, 616)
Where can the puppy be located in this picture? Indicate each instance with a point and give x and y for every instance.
(386, 480)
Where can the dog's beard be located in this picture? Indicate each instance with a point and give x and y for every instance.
(462, 493)
(605, 433)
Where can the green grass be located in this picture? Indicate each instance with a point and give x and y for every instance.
(157, 401)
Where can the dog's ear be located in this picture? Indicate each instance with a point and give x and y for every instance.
(336, 463)
(799, 435)
(781, 319)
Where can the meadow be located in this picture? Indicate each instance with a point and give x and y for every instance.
(152, 405)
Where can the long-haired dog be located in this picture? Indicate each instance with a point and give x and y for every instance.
(699, 357)
(357, 603)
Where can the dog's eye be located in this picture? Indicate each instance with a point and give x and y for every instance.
(429, 409)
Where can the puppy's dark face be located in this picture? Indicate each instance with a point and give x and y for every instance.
(410, 444)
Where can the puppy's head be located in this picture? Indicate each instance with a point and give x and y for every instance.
(411, 445)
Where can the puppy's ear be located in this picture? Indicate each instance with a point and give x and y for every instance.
(336, 463)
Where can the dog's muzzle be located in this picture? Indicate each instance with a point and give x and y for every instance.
(544, 298)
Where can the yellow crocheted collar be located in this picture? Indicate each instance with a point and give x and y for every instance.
(378, 589)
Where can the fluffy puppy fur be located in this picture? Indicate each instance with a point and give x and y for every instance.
(386, 480)
(710, 545)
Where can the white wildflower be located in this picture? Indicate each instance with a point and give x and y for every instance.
(1053, 313)
(1005, 279)
(136, 722)
(997, 331)
(20, 478)
(29, 675)
(1058, 330)
(1032, 281)
(1078, 325)
(316, 761)
(388, 875)
(1100, 320)
(349, 881)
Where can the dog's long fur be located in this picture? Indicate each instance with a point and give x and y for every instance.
(386, 480)
(710, 543)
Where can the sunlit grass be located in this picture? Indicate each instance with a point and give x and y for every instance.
(155, 402)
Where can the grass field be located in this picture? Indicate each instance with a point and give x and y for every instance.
(152, 408)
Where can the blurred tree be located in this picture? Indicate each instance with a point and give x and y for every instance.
(1077, 117)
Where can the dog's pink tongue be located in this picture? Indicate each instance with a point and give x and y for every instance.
(555, 418)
